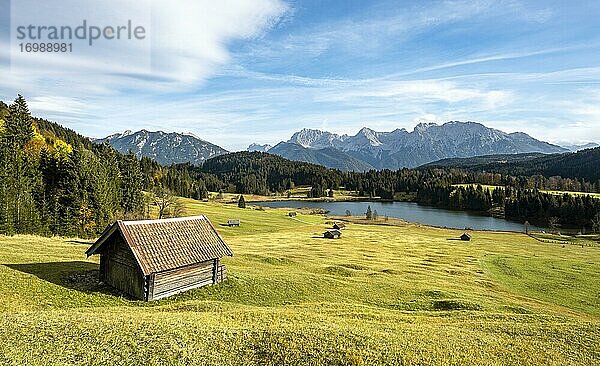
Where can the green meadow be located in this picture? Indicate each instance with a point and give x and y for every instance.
(388, 294)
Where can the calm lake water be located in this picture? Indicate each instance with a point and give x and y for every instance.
(409, 211)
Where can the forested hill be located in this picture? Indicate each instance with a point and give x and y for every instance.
(258, 172)
(583, 164)
(56, 182)
(54, 130)
(246, 162)
(3, 110)
(480, 161)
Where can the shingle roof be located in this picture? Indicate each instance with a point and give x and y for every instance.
(160, 245)
(333, 232)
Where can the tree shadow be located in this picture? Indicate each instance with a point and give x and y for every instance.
(81, 242)
(76, 275)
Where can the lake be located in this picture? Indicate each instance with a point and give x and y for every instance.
(409, 211)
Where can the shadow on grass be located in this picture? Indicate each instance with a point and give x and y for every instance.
(76, 275)
(86, 242)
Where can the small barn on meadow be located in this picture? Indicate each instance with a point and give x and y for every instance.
(332, 234)
(231, 223)
(465, 237)
(152, 259)
(339, 226)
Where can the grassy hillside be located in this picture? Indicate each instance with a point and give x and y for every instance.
(381, 294)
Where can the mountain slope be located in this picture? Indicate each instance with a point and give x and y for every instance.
(400, 148)
(582, 164)
(164, 148)
(259, 147)
(329, 157)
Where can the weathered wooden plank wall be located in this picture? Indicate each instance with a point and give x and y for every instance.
(183, 279)
(120, 269)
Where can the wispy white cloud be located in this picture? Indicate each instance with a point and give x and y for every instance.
(266, 86)
(187, 42)
(488, 58)
(423, 91)
(386, 27)
(193, 36)
(57, 104)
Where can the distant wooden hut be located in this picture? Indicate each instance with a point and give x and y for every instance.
(332, 234)
(292, 214)
(339, 226)
(233, 223)
(152, 259)
(465, 237)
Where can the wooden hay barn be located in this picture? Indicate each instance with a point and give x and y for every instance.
(152, 259)
(292, 214)
(233, 222)
(339, 226)
(332, 234)
(465, 237)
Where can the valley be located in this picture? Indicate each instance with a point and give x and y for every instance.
(282, 183)
(382, 294)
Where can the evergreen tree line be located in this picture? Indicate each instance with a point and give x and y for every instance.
(522, 204)
(543, 208)
(57, 183)
(462, 197)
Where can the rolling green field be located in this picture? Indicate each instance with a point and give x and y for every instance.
(382, 294)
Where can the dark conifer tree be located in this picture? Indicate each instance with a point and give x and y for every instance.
(131, 186)
(369, 213)
(18, 125)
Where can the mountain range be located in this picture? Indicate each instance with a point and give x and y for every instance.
(368, 149)
(165, 148)
(428, 142)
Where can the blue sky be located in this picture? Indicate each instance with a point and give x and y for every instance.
(239, 72)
